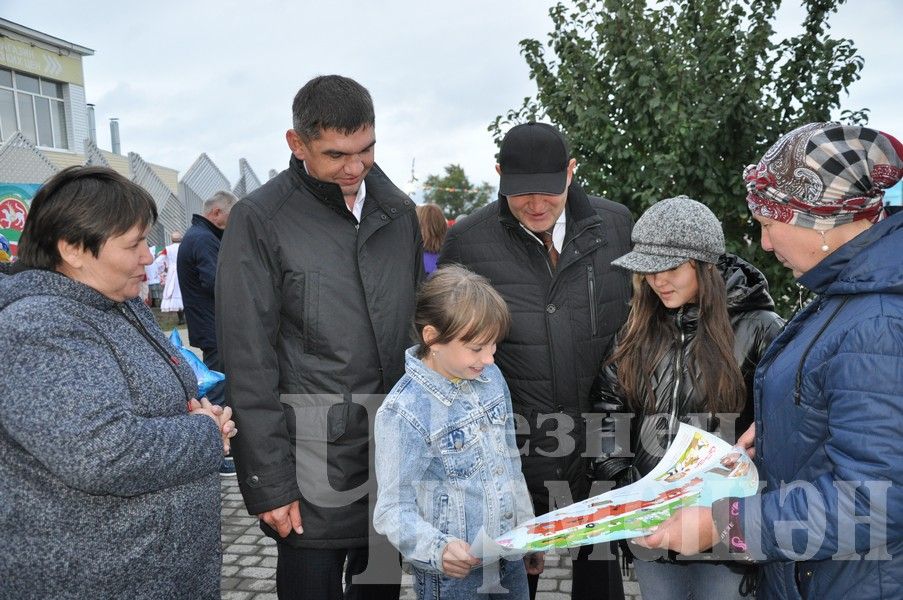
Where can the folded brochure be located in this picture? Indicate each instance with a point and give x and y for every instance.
(692, 472)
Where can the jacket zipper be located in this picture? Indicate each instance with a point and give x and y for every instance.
(170, 359)
(678, 374)
(591, 285)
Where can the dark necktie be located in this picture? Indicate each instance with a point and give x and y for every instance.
(546, 237)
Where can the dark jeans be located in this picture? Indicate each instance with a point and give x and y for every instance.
(316, 574)
(592, 579)
(217, 395)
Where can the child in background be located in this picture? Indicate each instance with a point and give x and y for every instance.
(446, 460)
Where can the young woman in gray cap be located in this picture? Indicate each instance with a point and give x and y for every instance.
(829, 391)
(700, 320)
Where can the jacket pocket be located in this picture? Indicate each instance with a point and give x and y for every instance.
(460, 451)
(301, 304)
(591, 293)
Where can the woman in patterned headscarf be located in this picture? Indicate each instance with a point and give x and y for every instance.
(829, 391)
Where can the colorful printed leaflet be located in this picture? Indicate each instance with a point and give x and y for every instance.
(697, 469)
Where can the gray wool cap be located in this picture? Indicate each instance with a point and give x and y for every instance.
(670, 233)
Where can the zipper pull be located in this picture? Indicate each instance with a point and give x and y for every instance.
(174, 360)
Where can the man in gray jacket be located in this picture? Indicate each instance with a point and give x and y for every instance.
(314, 302)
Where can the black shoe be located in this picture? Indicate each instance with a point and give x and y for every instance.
(227, 468)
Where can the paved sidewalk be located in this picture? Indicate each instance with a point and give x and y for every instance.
(249, 559)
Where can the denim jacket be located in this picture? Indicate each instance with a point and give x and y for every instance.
(447, 464)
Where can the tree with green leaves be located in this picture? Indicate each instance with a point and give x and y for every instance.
(677, 96)
(454, 192)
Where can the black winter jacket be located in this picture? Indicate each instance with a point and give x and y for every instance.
(313, 314)
(563, 321)
(196, 265)
(750, 308)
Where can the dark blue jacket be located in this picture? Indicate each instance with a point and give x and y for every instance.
(197, 274)
(829, 410)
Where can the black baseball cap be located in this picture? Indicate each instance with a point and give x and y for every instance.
(533, 159)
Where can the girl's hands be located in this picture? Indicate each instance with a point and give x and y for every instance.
(456, 559)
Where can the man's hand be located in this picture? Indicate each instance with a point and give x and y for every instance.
(535, 562)
(689, 531)
(456, 559)
(284, 519)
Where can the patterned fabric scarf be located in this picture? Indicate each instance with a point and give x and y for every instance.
(822, 175)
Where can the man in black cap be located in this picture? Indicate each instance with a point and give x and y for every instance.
(547, 248)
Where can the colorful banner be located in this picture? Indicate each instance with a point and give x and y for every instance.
(15, 199)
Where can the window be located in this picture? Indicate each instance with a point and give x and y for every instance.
(35, 107)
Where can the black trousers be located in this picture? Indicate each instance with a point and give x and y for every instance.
(592, 579)
(316, 574)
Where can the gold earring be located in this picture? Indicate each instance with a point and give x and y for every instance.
(824, 243)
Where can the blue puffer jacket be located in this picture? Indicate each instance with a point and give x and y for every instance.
(829, 423)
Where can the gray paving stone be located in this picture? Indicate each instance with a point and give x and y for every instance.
(242, 549)
(546, 585)
(229, 570)
(247, 539)
(258, 572)
(249, 560)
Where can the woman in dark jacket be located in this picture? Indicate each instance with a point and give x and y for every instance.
(829, 391)
(699, 322)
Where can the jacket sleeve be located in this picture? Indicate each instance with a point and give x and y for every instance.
(768, 326)
(419, 269)
(74, 415)
(610, 426)
(402, 460)
(854, 506)
(206, 253)
(248, 302)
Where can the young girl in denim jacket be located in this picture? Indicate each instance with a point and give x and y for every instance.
(446, 460)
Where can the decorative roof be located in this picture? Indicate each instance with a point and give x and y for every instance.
(247, 181)
(22, 162)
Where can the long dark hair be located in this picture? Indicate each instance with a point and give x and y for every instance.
(649, 334)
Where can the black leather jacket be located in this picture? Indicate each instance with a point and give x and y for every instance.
(676, 396)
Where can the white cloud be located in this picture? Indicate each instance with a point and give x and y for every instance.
(186, 77)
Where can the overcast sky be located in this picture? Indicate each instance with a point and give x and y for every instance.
(186, 77)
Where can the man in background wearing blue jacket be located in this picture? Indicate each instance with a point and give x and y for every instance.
(197, 273)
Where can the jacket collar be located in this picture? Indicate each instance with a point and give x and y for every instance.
(381, 192)
(445, 390)
(867, 263)
(580, 213)
(202, 221)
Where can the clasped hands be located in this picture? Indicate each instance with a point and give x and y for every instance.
(222, 416)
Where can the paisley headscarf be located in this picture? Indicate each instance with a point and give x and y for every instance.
(822, 175)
